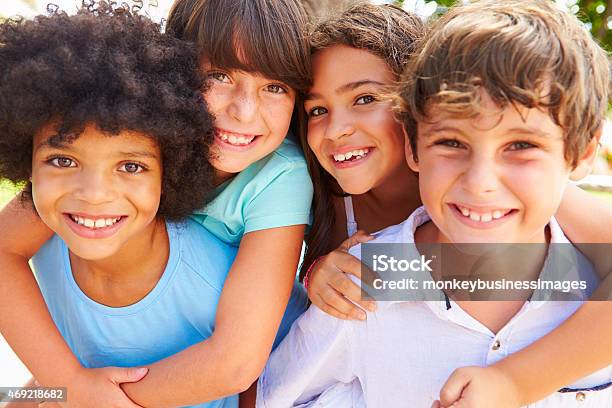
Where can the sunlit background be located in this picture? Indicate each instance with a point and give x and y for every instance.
(595, 14)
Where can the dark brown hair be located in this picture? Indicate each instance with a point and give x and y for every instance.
(521, 52)
(114, 69)
(387, 32)
(263, 36)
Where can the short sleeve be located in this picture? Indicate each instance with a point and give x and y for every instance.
(284, 201)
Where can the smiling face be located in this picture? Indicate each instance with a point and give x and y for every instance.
(97, 192)
(498, 178)
(252, 117)
(352, 133)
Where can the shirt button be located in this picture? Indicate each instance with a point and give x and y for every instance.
(580, 396)
(496, 345)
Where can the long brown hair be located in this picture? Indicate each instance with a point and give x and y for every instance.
(387, 32)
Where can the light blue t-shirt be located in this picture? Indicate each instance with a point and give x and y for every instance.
(275, 191)
(179, 312)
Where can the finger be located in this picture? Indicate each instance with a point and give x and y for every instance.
(336, 301)
(453, 388)
(347, 288)
(119, 375)
(357, 238)
(436, 404)
(321, 304)
(351, 265)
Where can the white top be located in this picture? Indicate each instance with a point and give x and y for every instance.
(351, 224)
(406, 350)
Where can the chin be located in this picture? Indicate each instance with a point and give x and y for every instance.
(230, 167)
(355, 189)
(92, 252)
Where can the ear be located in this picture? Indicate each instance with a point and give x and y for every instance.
(412, 163)
(583, 168)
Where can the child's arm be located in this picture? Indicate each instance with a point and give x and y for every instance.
(27, 326)
(248, 316)
(578, 347)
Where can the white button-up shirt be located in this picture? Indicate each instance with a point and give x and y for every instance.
(402, 355)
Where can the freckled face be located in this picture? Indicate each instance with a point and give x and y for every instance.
(252, 116)
(98, 192)
(352, 132)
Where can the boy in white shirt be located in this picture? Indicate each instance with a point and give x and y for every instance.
(503, 105)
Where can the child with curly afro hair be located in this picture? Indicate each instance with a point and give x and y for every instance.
(102, 117)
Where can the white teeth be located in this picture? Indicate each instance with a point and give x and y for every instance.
(236, 140)
(482, 217)
(358, 154)
(93, 224)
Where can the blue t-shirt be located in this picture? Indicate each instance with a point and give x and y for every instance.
(275, 191)
(179, 312)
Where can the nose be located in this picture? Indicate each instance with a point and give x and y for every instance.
(244, 105)
(94, 186)
(481, 176)
(340, 124)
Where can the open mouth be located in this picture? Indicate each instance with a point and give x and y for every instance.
(346, 159)
(95, 223)
(235, 139)
(484, 217)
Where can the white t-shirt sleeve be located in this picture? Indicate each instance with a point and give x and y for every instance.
(314, 357)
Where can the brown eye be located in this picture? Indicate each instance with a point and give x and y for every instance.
(219, 77)
(317, 111)
(62, 162)
(364, 100)
(277, 89)
(453, 143)
(132, 168)
(521, 146)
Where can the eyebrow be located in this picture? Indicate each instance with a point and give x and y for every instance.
(345, 88)
(521, 130)
(436, 129)
(132, 154)
(47, 144)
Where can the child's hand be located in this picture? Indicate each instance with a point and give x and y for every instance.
(329, 287)
(478, 387)
(100, 387)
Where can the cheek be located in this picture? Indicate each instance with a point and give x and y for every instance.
(315, 137)
(147, 195)
(278, 118)
(214, 99)
(537, 182)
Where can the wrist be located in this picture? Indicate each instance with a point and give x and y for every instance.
(62, 376)
(512, 382)
(309, 270)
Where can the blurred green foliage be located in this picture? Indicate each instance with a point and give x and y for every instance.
(596, 14)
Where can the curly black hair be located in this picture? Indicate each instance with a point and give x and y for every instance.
(113, 68)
